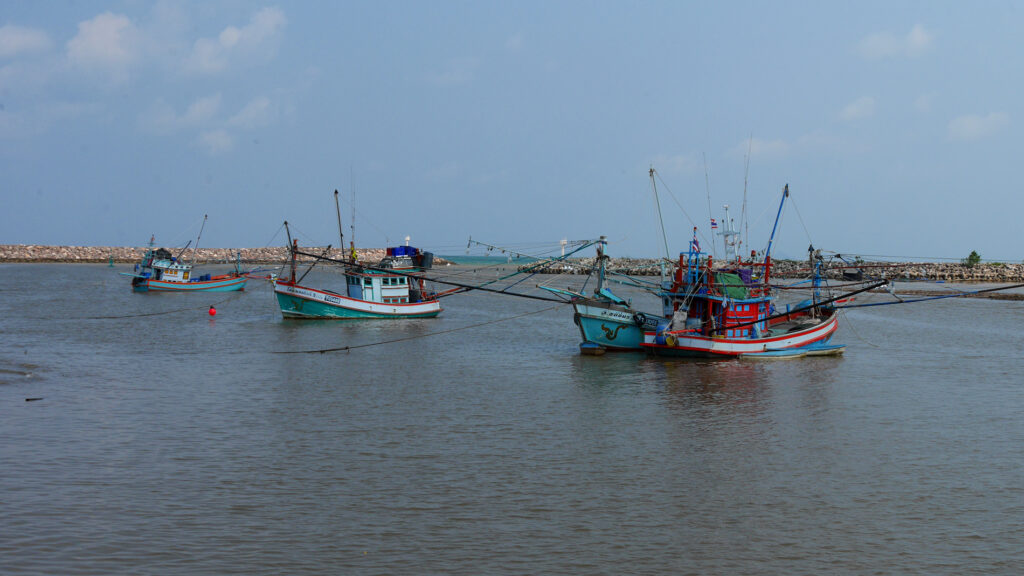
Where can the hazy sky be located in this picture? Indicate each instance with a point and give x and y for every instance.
(514, 122)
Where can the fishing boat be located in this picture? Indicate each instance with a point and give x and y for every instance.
(160, 271)
(394, 288)
(606, 321)
(729, 311)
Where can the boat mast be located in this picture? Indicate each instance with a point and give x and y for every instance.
(728, 235)
(661, 221)
(196, 247)
(744, 220)
(707, 190)
(292, 248)
(341, 231)
(768, 251)
(600, 264)
(352, 205)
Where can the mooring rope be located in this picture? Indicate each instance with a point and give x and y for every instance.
(392, 341)
(849, 325)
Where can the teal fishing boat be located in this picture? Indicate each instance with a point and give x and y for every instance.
(394, 288)
(606, 321)
(160, 271)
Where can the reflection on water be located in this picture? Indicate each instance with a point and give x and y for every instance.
(483, 442)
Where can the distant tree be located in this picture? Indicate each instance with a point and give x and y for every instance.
(972, 259)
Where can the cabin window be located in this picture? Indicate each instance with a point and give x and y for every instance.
(368, 281)
(401, 280)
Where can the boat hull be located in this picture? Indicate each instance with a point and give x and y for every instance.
(309, 303)
(611, 326)
(227, 284)
(694, 345)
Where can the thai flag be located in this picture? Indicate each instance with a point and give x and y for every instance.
(714, 223)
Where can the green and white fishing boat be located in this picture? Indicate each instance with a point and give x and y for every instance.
(394, 288)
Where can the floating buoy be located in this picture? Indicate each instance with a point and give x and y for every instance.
(213, 311)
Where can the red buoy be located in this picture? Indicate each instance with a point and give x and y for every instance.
(213, 311)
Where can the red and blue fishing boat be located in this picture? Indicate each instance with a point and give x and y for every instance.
(728, 311)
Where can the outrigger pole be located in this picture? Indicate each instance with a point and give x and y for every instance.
(196, 248)
(292, 247)
(341, 232)
(785, 194)
(447, 282)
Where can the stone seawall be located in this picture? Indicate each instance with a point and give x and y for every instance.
(952, 272)
(131, 255)
(995, 273)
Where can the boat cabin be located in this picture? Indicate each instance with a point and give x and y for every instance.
(399, 287)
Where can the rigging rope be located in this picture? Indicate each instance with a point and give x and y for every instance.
(801, 219)
(683, 210)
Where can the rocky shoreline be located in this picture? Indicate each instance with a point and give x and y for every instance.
(924, 271)
(132, 254)
(909, 271)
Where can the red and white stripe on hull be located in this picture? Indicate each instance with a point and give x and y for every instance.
(683, 343)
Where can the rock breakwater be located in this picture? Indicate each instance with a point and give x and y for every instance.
(923, 271)
(132, 254)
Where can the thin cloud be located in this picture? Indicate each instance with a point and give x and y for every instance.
(256, 113)
(202, 110)
(675, 163)
(256, 39)
(888, 45)
(976, 127)
(763, 148)
(860, 108)
(161, 117)
(109, 43)
(15, 41)
(216, 142)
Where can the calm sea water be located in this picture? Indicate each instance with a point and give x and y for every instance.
(481, 442)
